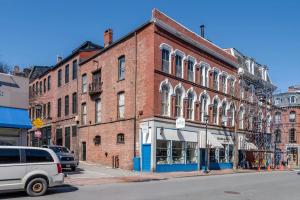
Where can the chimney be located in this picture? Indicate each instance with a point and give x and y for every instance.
(202, 30)
(16, 69)
(58, 59)
(108, 37)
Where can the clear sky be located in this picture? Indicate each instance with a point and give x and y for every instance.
(34, 32)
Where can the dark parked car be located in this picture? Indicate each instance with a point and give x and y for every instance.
(67, 158)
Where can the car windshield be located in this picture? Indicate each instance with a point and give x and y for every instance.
(60, 149)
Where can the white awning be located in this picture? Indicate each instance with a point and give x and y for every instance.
(212, 140)
(245, 145)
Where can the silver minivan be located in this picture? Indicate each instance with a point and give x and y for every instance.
(29, 168)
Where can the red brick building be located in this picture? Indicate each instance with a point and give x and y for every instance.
(135, 92)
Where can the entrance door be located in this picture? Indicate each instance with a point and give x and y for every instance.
(293, 156)
(146, 157)
(84, 151)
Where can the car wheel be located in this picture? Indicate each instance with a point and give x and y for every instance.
(37, 187)
(73, 168)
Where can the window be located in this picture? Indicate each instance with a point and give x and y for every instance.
(74, 70)
(292, 116)
(293, 99)
(67, 105)
(97, 140)
(204, 69)
(223, 80)
(177, 152)
(36, 88)
(49, 109)
(165, 60)
(45, 89)
(49, 83)
(277, 101)
(74, 131)
(224, 116)
(44, 111)
(121, 105)
(277, 117)
(222, 157)
(178, 102)
(165, 100)
(67, 72)
(231, 82)
(59, 107)
(292, 136)
(191, 152)
(120, 138)
(37, 156)
(241, 118)
(74, 103)
(178, 69)
(162, 151)
(277, 136)
(190, 106)
(98, 111)
(59, 78)
(67, 137)
(215, 80)
(215, 111)
(121, 68)
(231, 115)
(190, 70)
(84, 83)
(59, 140)
(41, 87)
(83, 114)
(204, 107)
(212, 156)
(9, 156)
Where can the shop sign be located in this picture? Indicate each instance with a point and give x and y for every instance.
(37, 134)
(180, 123)
(38, 123)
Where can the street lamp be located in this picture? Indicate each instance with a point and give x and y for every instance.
(206, 117)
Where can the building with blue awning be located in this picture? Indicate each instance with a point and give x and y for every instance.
(14, 117)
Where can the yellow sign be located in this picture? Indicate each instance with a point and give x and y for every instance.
(38, 123)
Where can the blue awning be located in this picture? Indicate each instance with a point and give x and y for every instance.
(14, 118)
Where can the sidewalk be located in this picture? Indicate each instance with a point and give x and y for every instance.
(91, 174)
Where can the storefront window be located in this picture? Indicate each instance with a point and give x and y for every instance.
(222, 155)
(230, 153)
(162, 151)
(191, 152)
(212, 155)
(177, 152)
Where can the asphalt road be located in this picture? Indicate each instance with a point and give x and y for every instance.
(264, 186)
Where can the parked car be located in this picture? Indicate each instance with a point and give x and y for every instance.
(67, 158)
(29, 168)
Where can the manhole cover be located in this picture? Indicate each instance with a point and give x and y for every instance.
(231, 192)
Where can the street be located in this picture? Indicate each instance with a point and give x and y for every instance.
(250, 186)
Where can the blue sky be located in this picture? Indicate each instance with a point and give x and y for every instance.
(34, 32)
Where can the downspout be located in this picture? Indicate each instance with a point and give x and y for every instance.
(135, 89)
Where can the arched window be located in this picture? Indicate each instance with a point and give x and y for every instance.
(231, 115)
(178, 64)
(204, 106)
(216, 79)
(165, 60)
(165, 100)
(250, 120)
(215, 111)
(241, 118)
(292, 136)
(277, 136)
(224, 114)
(190, 70)
(224, 83)
(231, 87)
(277, 117)
(120, 138)
(292, 116)
(268, 124)
(259, 121)
(204, 72)
(190, 106)
(178, 102)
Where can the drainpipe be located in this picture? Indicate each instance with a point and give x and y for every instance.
(135, 89)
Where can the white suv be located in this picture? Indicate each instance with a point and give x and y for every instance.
(30, 169)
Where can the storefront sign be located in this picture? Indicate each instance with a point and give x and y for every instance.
(38, 134)
(38, 123)
(180, 122)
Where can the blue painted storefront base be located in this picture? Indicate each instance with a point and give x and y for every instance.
(136, 164)
(176, 167)
(218, 166)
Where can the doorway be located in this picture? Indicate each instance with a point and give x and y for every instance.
(83, 151)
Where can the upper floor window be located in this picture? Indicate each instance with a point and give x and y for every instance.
(67, 71)
(74, 103)
(231, 115)
(121, 68)
(59, 78)
(190, 70)
(49, 109)
(190, 106)
(49, 83)
(204, 72)
(224, 115)
(292, 136)
(45, 89)
(277, 136)
(165, 60)
(121, 105)
(215, 80)
(74, 70)
(59, 107)
(215, 111)
(165, 100)
(241, 118)
(84, 83)
(41, 87)
(178, 69)
(178, 102)
(223, 82)
(292, 116)
(293, 99)
(98, 111)
(231, 84)
(83, 114)
(120, 138)
(36, 88)
(277, 101)
(67, 105)
(277, 117)
(204, 107)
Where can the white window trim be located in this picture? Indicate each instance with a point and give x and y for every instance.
(183, 58)
(170, 49)
(180, 86)
(194, 100)
(207, 104)
(203, 66)
(191, 58)
(167, 82)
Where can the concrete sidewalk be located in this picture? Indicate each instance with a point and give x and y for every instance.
(91, 174)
